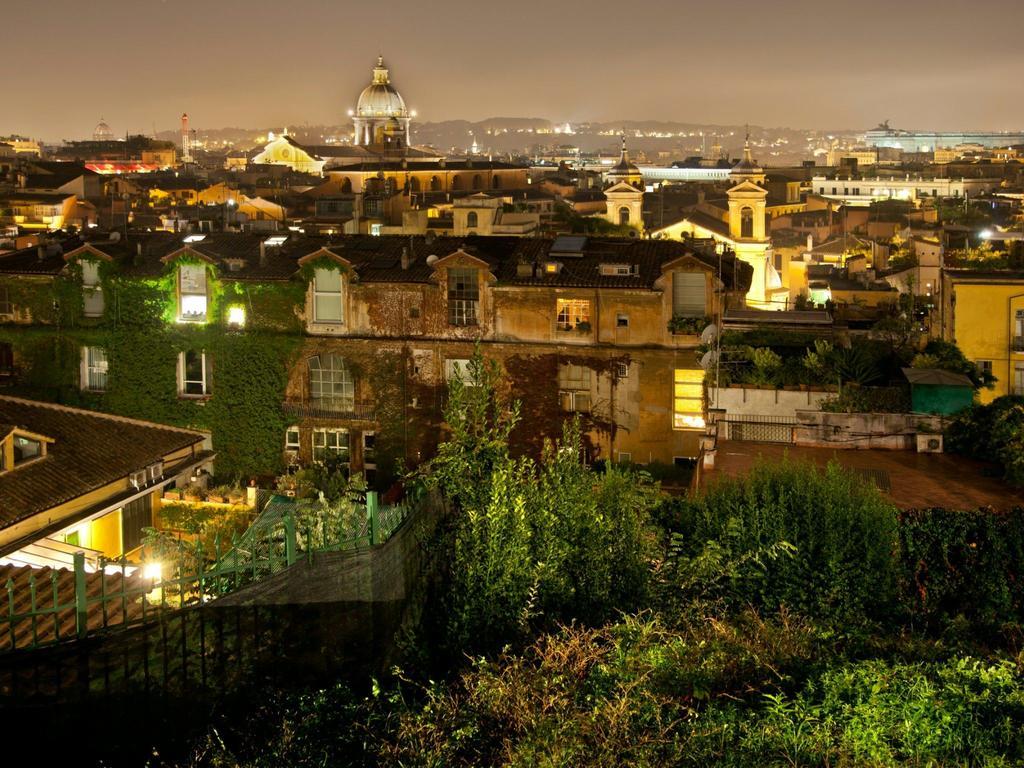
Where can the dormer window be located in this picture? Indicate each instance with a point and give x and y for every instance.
(192, 293)
(26, 449)
(327, 296)
(92, 292)
(617, 270)
(19, 447)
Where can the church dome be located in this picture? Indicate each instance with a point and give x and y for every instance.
(625, 169)
(102, 132)
(379, 98)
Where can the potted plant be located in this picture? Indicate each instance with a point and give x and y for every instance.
(235, 495)
(194, 492)
(219, 494)
(172, 494)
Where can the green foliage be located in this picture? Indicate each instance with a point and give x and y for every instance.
(843, 531)
(856, 364)
(856, 399)
(532, 541)
(992, 432)
(688, 325)
(947, 356)
(963, 565)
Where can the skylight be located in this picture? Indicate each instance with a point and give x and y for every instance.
(195, 238)
(276, 240)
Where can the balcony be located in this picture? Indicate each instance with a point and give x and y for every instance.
(330, 408)
(1017, 343)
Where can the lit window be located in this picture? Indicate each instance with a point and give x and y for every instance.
(330, 383)
(291, 439)
(551, 267)
(463, 296)
(192, 293)
(26, 449)
(236, 317)
(193, 374)
(194, 238)
(688, 399)
(327, 288)
(330, 444)
(574, 385)
(572, 313)
(92, 292)
(375, 229)
(458, 368)
(94, 369)
(275, 241)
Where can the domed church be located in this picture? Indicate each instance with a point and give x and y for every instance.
(381, 117)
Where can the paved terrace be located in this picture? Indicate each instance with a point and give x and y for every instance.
(912, 480)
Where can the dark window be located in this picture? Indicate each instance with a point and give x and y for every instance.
(747, 222)
(463, 296)
(624, 216)
(331, 383)
(6, 309)
(472, 220)
(135, 515)
(346, 185)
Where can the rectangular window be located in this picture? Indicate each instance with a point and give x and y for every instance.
(92, 293)
(26, 449)
(6, 308)
(330, 445)
(625, 457)
(192, 293)
(135, 515)
(458, 368)
(291, 439)
(689, 297)
(1018, 323)
(94, 369)
(574, 384)
(463, 296)
(327, 306)
(621, 321)
(193, 374)
(1018, 380)
(984, 366)
(572, 313)
(688, 399)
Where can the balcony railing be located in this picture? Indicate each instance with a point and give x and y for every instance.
(330, 408)
(1017, 343)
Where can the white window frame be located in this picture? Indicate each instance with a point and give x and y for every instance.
(288, 444)
(458, 368)
(92, 290)
(327, 440)
(327, 295)
(92, 367)
(337, 383)
(204, 382)
(685, 399)
(575, 384)
(570, 313)
(189, 288)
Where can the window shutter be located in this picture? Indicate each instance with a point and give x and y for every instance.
(688, 294)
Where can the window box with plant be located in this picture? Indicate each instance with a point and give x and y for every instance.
(684, 325)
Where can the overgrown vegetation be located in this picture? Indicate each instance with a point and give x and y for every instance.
(993, 432)
(793, 617)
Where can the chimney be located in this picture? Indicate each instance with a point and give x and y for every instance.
(263, 254)
(810, 242)
(138, 248)
(405, 257)
(41, 252)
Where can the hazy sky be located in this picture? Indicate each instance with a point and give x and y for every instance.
(943, 64)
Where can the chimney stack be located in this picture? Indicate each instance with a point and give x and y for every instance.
(405, 257)
(41, 252)
(263, 253)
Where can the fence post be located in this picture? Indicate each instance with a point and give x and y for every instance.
(289, 539)
(371, 516)
(81, 607)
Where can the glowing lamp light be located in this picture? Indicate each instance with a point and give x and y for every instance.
(985, 234)
(152, 571)
(236, 316)
(193, 307)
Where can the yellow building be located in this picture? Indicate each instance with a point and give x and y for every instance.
(983, 313)
(73, 480)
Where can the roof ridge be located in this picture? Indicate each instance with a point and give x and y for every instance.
(100, 414)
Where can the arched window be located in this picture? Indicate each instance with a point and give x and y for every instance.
(455, 182)
(496, 182)
(472, 220)
(346, 185)
(624, 216)
(747, 222)
(414, 184)
(331, 384)
(435, 184)
(477, 181)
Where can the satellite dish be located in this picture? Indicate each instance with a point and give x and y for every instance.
(709, 334)
(115, 236)
(432, 259)
(708, 359)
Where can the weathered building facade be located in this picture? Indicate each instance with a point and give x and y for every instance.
(294, 349)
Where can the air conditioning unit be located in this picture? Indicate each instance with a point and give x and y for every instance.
(929, 443)
(156, 471)
(139, 479)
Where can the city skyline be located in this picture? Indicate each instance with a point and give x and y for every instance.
(803, 68)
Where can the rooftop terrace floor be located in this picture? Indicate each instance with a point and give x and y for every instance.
(911, 480)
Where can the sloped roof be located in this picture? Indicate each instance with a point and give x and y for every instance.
(936, 377)
(89, 450)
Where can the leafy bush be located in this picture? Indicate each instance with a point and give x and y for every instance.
(992, 432)
(963, 564)
(856, 399)
(844, 533)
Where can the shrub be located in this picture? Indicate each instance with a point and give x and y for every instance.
(844, 533)
(856, 399)
(992, 432)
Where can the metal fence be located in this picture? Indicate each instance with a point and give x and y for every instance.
(46, 606)
(758, 429)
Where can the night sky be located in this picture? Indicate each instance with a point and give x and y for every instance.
(941, 64)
